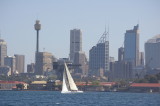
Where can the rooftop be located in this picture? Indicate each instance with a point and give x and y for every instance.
(133, 30)
(12, 82)
(154, 39)
(39, 82)
(145, 85)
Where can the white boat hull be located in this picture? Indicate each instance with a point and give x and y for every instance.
(69, 92)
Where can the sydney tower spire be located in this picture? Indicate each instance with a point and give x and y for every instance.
(37, 27)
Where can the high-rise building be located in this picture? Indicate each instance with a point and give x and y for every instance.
(131, 45)
(152, 53)
(30, 68)
(3, 51)
(75, 42)
(141, 58)
(20, 61)
(77, 56)
(121, 54)
(5, 70)
(44, 63)
(80, 59)
(121, 70)
(99, 56)
(11, 62)
(111, 59)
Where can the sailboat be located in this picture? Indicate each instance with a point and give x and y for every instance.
(68, 85)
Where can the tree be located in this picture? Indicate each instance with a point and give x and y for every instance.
(153, 79)
(20, 86)
(95, 82)
(158, 76)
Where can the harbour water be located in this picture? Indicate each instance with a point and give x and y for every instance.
(52, 98)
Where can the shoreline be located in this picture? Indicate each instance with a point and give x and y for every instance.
(86, 91)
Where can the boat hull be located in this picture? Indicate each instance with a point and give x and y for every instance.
(70, 92)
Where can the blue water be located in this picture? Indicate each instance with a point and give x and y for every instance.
(50, 98)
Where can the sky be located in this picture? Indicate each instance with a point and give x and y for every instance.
(58, 17)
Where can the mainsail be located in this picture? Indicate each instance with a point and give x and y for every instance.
(68, 83)
(72, 84)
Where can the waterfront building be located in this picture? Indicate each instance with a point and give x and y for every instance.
(144, 87)
(99, 56)
(152, 53)
(10, 85)
(11, 62)
(75, 42)
(43, 63)
(38, 85)
(20, 63)
(131, 45)
(3, 51)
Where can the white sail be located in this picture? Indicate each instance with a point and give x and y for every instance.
(70, 80)
(64, 86)
(68, 84)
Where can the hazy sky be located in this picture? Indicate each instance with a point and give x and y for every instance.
(58, 17)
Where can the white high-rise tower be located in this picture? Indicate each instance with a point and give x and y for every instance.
(75, 42)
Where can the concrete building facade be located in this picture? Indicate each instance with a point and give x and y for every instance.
(80, 58)
(20, 63)
(5, 70)
(75, 42)
(121, 54)
(152, 52)
(141, 58)
(11, 62)
(3, 51)
(121, 70)
(31, 68)
(44, 63)
(77, 56)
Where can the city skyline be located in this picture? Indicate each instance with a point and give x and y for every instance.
(58, 18)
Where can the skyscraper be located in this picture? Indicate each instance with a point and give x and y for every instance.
(80, 59)
(131, 45)
(77, 56)
(11, 62)
(121, 54)
(20, 59)
(3, 51)
(75, 42)
(30, 68)
(99, 55)
(152, 53)
(141, 58)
